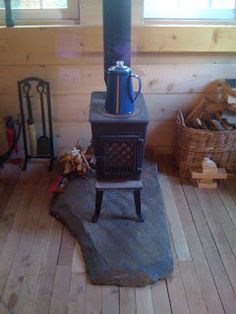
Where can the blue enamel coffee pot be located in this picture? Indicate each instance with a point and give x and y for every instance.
(120, 98)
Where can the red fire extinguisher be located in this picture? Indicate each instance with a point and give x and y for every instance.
(12, 138)
(11, 134)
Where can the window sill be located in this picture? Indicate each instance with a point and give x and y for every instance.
(174, 22)
(42, 23)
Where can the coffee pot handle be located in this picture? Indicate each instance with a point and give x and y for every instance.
(139, 88)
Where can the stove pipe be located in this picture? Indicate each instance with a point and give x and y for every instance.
(116, 32)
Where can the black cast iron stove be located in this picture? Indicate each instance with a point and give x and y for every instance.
(119, 142)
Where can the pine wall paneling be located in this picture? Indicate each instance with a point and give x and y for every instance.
(175, 71)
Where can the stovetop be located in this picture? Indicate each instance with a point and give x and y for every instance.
(99, 115)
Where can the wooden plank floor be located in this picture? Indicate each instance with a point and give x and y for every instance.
(42, 270)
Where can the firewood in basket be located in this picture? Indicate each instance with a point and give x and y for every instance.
(195, 113)
(205, 107)
(226, 124)
(201, 124)
(204, 125)
(228, 87)
(210, 126)
(207, 116)
(230, 117)
(215, 107)
(218, 126)
(218, 115)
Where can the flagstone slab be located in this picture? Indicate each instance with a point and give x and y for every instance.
(117, 249)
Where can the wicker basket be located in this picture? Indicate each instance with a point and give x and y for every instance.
(193, 145)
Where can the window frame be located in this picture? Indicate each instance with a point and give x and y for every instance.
(69, 15)
(211, 16)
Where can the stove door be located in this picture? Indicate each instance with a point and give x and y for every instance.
(119, 157)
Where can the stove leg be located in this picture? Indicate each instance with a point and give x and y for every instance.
(137, 200)
(98, 205)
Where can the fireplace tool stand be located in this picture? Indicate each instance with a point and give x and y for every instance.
(37, 137)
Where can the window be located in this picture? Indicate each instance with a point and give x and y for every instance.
(37, 10)
(190, 9)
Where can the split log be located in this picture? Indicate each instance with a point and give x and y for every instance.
(217, 125)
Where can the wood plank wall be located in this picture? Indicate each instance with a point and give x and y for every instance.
(71, 59)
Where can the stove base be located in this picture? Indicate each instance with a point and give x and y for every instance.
(117, 249)
(134, 186)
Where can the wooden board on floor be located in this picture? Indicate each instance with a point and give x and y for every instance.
(60, 293)
(93, 299)
(207, 201)
(48, 270)
(25, 246)
(127, 301)
(228, 201)
(176, 290)
(184, 197)
(110, 300)
(11, 238)
(205, 279)
(31, 276)
(220, 209)
(3, 309)
(160, 298)
(144, 300)
(66, 249)
(78, 260)
(8, 216)
(192, 288)
(77, 294)
(8, 187)
(180, 242)
(220, 277)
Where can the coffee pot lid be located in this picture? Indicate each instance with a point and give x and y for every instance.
(120, 67)
(120, 64)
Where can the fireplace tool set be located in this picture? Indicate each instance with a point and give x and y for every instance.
(36, 118)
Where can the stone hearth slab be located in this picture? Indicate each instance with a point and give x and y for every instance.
(117, 249)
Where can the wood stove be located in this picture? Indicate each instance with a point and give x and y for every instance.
(118, 140)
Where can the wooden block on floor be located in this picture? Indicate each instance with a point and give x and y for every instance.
(206, 185)
(221, 174)
(210, 171)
